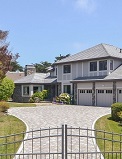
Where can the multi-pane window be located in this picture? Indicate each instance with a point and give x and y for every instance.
(25, 90)
(102, 65)
(93, 66)
(37, 89)
(67, 89)
(109, 91)
(111, 64)
(82, 91)
(89, 91)
(67, 69)
(100, 91)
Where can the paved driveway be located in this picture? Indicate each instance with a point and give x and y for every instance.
(53, 116)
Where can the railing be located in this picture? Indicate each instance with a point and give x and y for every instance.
(63, 143)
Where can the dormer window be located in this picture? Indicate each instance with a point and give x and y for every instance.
(102, 65)
(67, 69)
(111, 64)
(93, 66)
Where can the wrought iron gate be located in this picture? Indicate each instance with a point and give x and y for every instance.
(62, 143)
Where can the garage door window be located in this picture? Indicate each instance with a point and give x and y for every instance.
(108, 91)
(120, 91)
(89, 91)
(101, 91)
(82, 91)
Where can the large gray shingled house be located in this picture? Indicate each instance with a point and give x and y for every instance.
(92, 76)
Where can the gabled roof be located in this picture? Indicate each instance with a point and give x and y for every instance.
(36, 78)
(115, 75)
(96, 52)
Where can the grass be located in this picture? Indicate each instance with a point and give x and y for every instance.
(10, 125)
(105, 123)
(13, 104)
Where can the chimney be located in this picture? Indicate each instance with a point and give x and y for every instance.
(29, 69)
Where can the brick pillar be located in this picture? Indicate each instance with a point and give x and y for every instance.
(114, 92)
(93, 94)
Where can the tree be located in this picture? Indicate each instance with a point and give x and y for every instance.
(42, 67)
(16, 66)
(5, 54)
(6, 89)
(61, 57)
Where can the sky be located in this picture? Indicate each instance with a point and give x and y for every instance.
(40, 30)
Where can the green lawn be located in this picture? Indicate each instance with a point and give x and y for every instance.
(105, 123)
(13, 104)
(10, 125)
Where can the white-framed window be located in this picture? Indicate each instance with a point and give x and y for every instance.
(37, 89)
(67, 69)
(93, 66)
(26, 91)
(103, 65)
(111, 64)
(67, 89)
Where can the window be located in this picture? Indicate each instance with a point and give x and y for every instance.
(120, 91)
(102, 65)
(37, 89)
(101, 91)
(82, 91)
(67, 69)
(67, 89)
(111, 64)
(56, 71)
(89, 91)
(108, 91)
(25, 90)
(93, 66)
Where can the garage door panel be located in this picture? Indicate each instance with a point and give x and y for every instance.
(119, 93)
(85, 97)
(104, 97)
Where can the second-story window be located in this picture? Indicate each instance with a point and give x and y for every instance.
(67, 69)
(111, 64)
(93, 66)
(102, 65)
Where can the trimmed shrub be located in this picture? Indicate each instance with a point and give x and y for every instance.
(36, 97)
(63, 98)
(45, 94)
(4, 106)
(116, 108)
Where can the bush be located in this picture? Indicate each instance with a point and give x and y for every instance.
(116, 108)
(4, 106)
(6, 89)
(45, 94)
(63, 97)
(36, 97)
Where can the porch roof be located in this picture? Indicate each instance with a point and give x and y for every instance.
(37, 78)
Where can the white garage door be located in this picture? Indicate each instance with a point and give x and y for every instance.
(85, 97)
(119, 93)
(104, 97)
